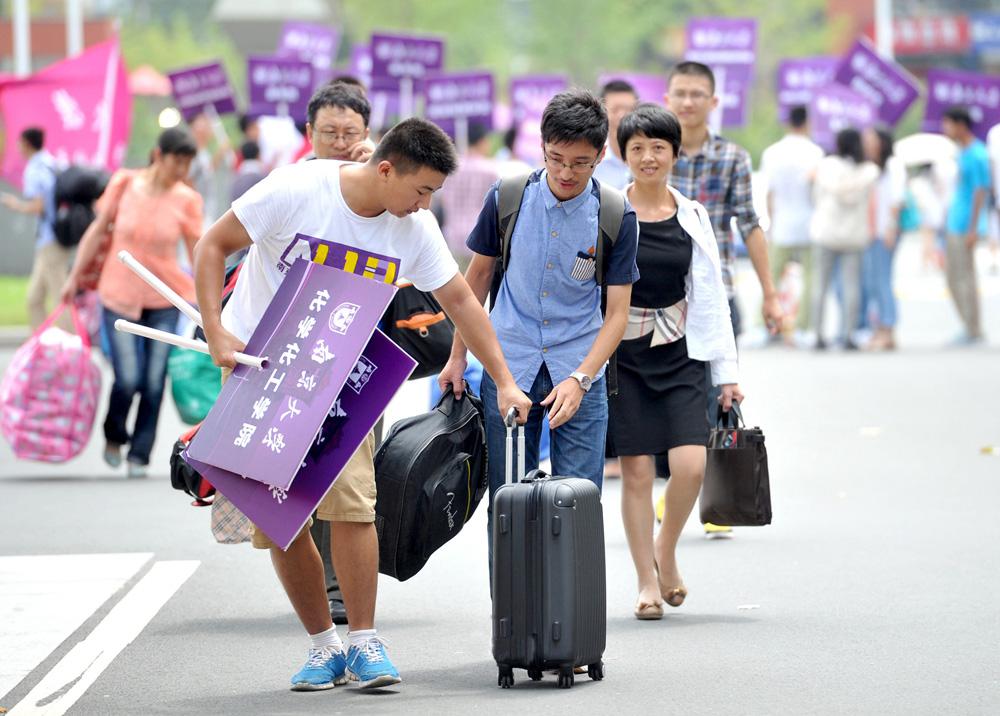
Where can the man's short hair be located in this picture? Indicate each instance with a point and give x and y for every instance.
(693, 69)
(342, 95)
(959, 115)
(652, 121)
(798, 116)
(246, 121)
(477, 133)
(416, 143)
(349, 80)
(575, 115)
(250, 150)
(177, 141)
(618, 86)
(34, 137)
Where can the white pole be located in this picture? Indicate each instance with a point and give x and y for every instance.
(22, 38)
(190, 343)
(161, 288)
(462, 135)
(74, 27)
(406, 97)
(884, 39)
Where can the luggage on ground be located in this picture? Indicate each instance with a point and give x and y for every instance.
(548, 581)
(736, 490)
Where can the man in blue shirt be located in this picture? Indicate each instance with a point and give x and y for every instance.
(547, 312)
(51, 265)
(967, 219)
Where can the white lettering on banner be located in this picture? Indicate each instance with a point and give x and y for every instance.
(278, 494)
(290, 354)
(306, 381)
(293, 410)
(305, 327)
(361, 374)
(343, 316)
(260, 408)
(319, 301)
(320, 437)
(282, 93)
(276, 381)
(419, 54)
(274, 440)
(336, 411)
(321, 352)
(882, 83)
(70, 114)
(246, 433)
(706, 38)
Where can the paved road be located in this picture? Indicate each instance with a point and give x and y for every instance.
(874, 591)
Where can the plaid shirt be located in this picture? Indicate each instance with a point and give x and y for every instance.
(718, 178)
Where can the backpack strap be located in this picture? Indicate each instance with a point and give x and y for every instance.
(609, 219)
(510, 192)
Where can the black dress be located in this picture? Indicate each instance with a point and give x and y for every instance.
(661, 391)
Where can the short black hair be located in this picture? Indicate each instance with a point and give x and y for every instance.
(247, 121)
(849, 145)
(693, 69)
(339, 94)
(477, 132)
(798, 116)
(34, 137)
(960, 115)
(618, 86)
(416, 143)
(652, 121)
(250, 150)
(349, 80)
(510, 137)
(886, 145)
(574, 115)
(177, 141)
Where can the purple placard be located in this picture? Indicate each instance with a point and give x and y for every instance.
(882, 82)
(650, 88)
(836, 107)
(397, 56)
(382, 368)
(799, 78)
(979, 93)
(311, 42)
(339, 256)
(313, 331)
(528, 96)
(459, 95)
(279, 85)
(722, 40)
(361, 63)
(196, 88)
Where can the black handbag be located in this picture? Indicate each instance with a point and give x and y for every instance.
(415, 322)
(736, 490)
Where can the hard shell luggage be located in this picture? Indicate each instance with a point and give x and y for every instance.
(549, 600)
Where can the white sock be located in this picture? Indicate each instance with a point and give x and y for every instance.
(329, 639)
(358, 638)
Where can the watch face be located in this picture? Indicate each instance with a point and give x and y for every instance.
(585, 382)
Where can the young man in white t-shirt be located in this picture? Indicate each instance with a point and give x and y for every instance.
(378, 207)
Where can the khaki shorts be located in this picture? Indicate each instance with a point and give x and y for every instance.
(350, 499)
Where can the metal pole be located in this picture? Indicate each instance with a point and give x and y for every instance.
(74, 27)
(883, 28)
(22, 38)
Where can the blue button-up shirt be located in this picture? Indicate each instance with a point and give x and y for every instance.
(548, 309)
(39, 180)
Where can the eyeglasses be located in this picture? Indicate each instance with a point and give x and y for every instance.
(693, 96)
(575, 167)
(329, 136)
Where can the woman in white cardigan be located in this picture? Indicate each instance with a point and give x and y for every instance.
(678, 320)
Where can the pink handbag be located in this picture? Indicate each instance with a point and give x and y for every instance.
(49, 394)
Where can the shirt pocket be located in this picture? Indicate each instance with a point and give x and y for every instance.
(584, 267)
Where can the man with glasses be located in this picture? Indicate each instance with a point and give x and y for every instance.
(547, 311)
(337, 126)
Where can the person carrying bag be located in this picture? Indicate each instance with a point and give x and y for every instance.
(737, 489)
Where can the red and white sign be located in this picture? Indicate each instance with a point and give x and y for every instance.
(929, 35)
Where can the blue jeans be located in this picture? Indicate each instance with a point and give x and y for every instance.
(140, 366)
(878, 301)
(577, 446)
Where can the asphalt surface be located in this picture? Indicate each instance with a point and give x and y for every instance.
(874, 591)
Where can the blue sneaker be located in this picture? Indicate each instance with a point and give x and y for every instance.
(370, 665)
(324, 669)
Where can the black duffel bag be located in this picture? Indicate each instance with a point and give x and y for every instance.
(737, 489)
(431, 474)
(416, 323)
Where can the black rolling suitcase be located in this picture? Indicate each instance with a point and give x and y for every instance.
(549, 602)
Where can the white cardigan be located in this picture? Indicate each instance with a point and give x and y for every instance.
(709, 326)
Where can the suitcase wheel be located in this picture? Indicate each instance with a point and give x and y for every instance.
(565, 677)
(596, 671)
(535, 674)
(505, 677)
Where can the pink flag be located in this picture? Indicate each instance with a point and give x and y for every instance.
(82, 103)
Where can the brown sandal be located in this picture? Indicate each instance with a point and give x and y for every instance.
(676, 596)
(648, 612)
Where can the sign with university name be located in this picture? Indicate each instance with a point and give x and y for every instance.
(279, 86)
(884, 83)
(197, 88)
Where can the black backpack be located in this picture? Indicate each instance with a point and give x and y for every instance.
(76, 190)
(430, 472)
(185, 478)
(417, 324)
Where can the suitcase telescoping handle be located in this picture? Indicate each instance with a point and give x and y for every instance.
(511, 422)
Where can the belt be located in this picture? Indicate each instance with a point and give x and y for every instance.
(666, 324)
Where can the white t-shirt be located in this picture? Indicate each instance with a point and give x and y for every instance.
(788, 166)
(306, 199)
(891, 194)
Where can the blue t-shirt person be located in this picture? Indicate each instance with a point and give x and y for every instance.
(973, 176)
(39, 181)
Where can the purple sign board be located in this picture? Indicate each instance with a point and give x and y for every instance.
(279, 86)
(361, 63)
(799, 78)
(729, 47)
(313, 43)
(528, 96)
(265, 421)
(836, 107)
(650, 88)
(196, 88)
(281, 513)
(979, 93)
(882, 82)
(459, 96)
(397, 57)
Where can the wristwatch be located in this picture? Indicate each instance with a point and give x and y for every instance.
(583, 379)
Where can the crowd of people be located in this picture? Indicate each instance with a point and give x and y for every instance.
(621, 342)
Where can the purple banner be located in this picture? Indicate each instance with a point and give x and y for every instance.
(729, 47)
(279, 86)
(313, 43)
(395, 57)
(366, 264)
(889, 87)
(380, 371)
(528, 96)
(836, 107)
(979, 93)
(313, 331)
(361, 63)
(196, 88)
(799, 78)
(460, 95)
(650, 88)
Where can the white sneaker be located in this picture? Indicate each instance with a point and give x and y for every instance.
(134, 469)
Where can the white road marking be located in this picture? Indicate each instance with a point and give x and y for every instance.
(80, 668)
(45, 598)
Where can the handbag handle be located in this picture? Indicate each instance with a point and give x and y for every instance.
(77, 323)
(732, 419)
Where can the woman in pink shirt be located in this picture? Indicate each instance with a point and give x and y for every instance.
(148, 213)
